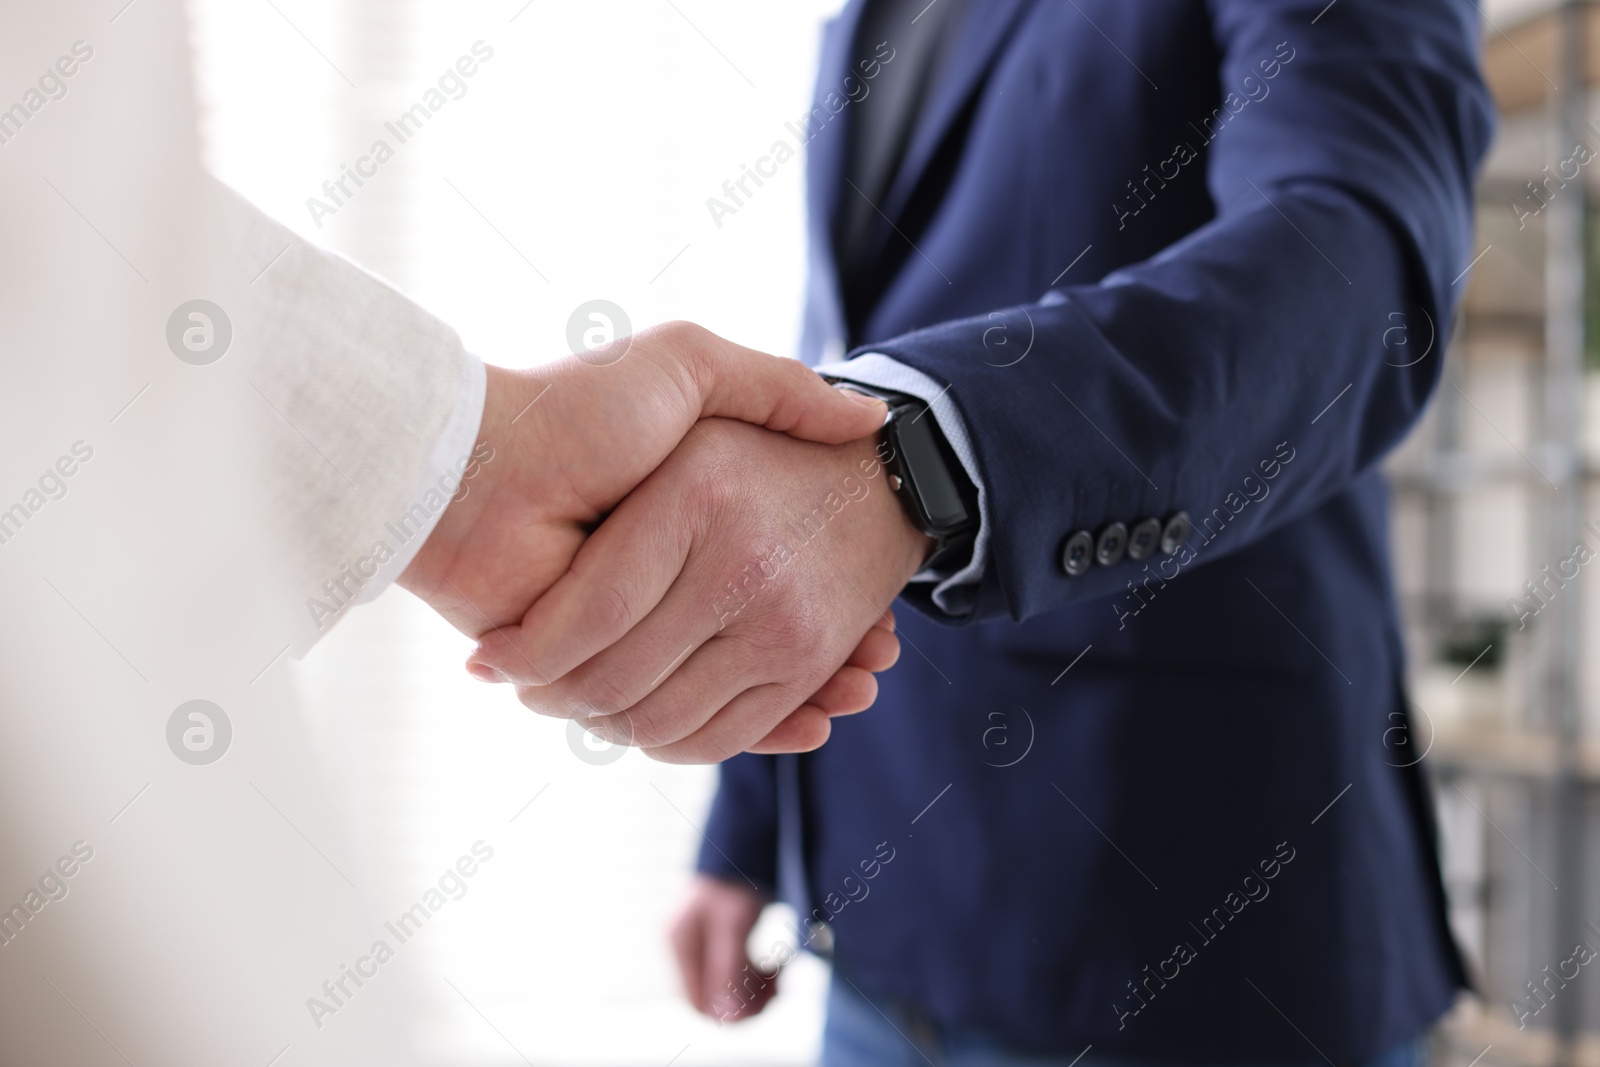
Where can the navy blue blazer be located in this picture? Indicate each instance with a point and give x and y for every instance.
(1160, 807)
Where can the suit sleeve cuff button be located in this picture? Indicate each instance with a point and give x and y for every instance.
(1077, 555)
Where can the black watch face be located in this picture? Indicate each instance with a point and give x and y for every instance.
(937, 497)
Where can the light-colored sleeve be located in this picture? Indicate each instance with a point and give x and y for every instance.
(173, 490)
(341, 390)
(447, 467)
(955, 585)
(379, 408)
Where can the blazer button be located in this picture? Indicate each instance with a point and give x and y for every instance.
(1078, 554)
(1144, 538)
(1175, 533)
(1112, 544)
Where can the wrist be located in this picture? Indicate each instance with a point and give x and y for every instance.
(506, 393)
(926, 476)
(907, 546)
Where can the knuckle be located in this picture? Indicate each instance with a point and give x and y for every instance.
(612, 610)
(650, 734)
(686, 341)
(716, 495)
(603, 695)
(615, 729)
(683, 330)
(779, 633)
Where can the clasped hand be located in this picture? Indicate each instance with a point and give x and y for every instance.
(691, 549)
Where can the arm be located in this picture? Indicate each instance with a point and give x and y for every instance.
(1160, 388)
(736, 877)
(473, 486)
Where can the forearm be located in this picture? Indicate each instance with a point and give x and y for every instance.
(1258, 337)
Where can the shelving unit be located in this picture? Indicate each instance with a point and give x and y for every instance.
(1490, 492)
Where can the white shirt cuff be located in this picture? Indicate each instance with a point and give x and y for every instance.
(957, 590)
(438, 482)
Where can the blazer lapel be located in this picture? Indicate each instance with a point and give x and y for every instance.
(980, 35)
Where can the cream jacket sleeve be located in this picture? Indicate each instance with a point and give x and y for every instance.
(174, 492)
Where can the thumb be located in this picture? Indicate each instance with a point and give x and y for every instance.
(786, 396)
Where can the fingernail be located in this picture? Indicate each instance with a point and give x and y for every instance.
(869, 401)
(483, 672)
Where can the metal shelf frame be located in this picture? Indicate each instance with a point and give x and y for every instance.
(1548, 755)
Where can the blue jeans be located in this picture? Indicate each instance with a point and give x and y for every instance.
(864, 1033)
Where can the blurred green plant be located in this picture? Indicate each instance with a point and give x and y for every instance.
(1474, 639)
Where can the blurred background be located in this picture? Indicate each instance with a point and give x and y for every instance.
(574, 165)
(1491, 500)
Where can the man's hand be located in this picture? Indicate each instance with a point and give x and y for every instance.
(569, 441)
(718, 597)
(710, 937)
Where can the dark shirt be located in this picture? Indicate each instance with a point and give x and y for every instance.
(884, 120)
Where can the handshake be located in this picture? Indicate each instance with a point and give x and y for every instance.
(685, 544)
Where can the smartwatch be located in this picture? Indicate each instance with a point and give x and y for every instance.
(924, 472)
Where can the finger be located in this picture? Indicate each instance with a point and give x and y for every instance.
(714, 674)
(619, 575)
(654, 651)
(878, 651)
(784, 395)
(850, 690)
(688, 944)
(765, 991)
(740, 723)
(731, 979)
(805, 729)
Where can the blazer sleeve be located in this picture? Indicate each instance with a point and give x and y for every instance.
(1344, 213)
